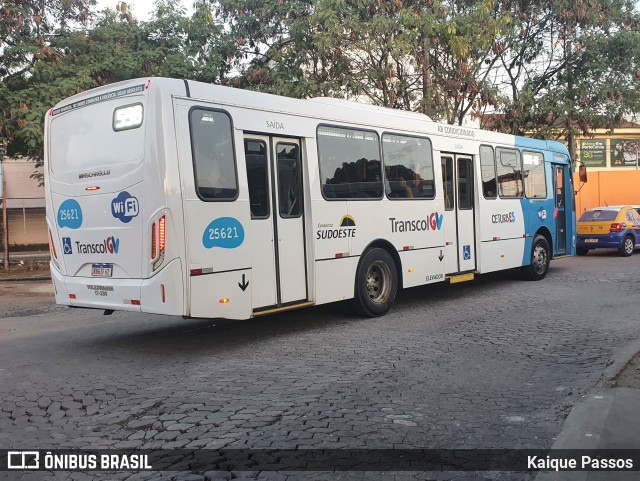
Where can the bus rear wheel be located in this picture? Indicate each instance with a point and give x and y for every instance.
(540, 259)
(376, 283)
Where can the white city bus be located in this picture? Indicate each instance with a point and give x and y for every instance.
(184, 198)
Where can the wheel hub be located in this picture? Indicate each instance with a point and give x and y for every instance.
(378, 282)
(540, 258)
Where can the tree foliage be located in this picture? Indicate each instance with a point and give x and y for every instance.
(27, 28)
(423, 55)
(570, 67)
(115, 47)
(553, 68)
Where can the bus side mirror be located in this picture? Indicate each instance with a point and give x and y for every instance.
(582, 173)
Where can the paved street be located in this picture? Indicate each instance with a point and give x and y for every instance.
(496, 363)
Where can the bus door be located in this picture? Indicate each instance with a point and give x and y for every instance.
(274, 179)
(559, 178)
(459, 223)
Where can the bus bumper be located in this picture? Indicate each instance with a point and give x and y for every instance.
(161, 294)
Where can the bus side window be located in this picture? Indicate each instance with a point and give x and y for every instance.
(213, 158)
(488, 172)
(509, 170)
(350, 166)
(408, 167)
(534, 175)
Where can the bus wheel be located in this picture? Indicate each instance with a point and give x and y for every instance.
(540, 258)
(376, 283)
(627, 247)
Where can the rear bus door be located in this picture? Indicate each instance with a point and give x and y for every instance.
(274, 179)
(459, 221)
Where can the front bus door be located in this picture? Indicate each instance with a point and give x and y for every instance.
(274, 178)
(559, 172)
(459, 223)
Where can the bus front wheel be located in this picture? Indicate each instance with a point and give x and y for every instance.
(376, 283)
(540, 258)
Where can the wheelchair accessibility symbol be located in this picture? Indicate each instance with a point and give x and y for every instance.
(66, 245)
(466, 253)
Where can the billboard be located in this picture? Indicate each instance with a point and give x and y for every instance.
(593, 152)
(624, 152)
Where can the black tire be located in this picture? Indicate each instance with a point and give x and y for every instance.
(581, 251)
(540, 259)
(376, 283)
(627, 246)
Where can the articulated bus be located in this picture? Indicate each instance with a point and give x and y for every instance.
(183, 198)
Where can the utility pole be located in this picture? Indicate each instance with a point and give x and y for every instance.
(5, 229)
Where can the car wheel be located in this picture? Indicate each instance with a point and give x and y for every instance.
(540, 259)
(627, 247)
(581, 251)
(376, 283)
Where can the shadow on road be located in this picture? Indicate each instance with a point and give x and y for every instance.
(161, 336)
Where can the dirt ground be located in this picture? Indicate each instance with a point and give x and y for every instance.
(630, 375)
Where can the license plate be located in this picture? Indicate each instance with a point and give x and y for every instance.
(101, 270)
(591, 241)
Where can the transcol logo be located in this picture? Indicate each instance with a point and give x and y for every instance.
(125, 207)
(432, 221)
(109, 246)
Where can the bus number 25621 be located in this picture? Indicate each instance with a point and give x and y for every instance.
(223, 233)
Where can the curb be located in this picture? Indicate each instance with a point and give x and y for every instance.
(22, 279)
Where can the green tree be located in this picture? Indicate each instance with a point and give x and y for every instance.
(27, 30)
(116, 47)
(570, 67)
(422, 55)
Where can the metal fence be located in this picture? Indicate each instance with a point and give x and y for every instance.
(27, 227)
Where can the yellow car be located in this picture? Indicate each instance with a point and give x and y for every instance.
(615, 227)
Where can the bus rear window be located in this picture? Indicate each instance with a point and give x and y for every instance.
(598, 215)
(85, 137)
(213, 160)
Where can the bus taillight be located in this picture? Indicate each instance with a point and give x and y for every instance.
(153, 241)
(162, 231)
(158, 241)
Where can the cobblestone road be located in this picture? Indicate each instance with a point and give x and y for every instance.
(496, 363)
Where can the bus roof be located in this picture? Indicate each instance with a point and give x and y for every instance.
(323, 108)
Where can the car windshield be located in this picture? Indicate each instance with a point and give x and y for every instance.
(598, 215)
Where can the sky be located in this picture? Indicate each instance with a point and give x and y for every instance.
(141, 8)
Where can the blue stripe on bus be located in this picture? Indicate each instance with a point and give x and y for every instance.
(541, 213)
